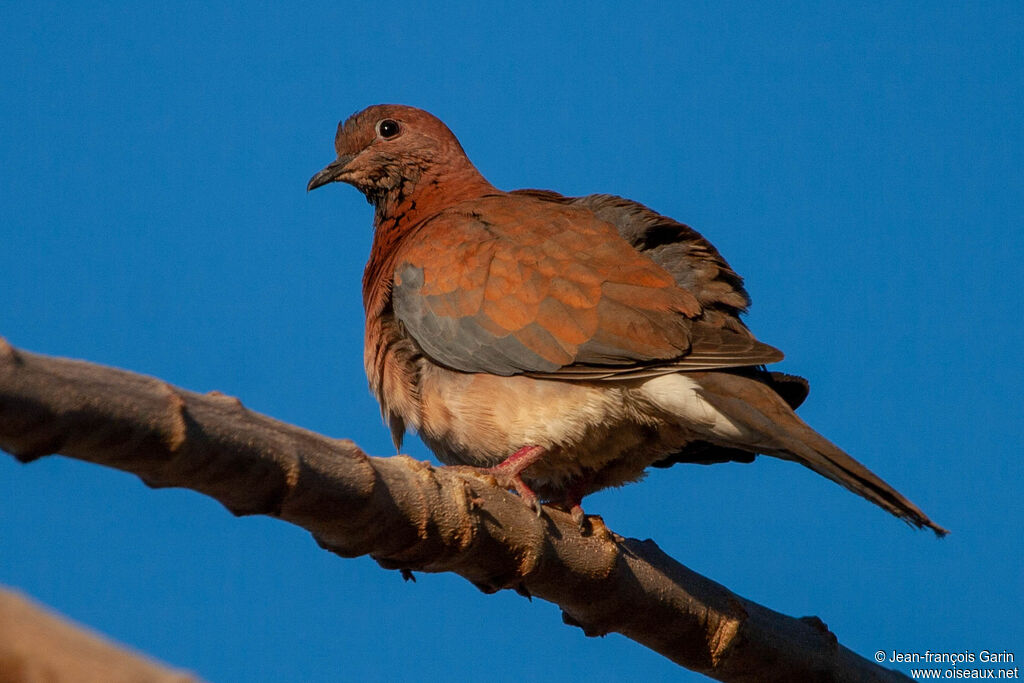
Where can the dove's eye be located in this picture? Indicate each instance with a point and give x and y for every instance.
(388, 129)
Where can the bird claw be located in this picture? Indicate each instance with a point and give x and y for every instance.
(578, 516)
(514, 481)
(508, 474)
(505, 479)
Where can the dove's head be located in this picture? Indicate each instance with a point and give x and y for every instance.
(391, 152)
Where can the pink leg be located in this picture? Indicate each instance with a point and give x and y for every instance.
(509, 473)
(574, 498)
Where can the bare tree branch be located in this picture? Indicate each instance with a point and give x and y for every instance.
(37, 645)
(408, 515)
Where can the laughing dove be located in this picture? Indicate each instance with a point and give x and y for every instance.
(564, 344)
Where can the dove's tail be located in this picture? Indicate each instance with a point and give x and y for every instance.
(764, 423)
(806, 446)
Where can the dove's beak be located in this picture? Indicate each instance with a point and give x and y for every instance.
(330, 172)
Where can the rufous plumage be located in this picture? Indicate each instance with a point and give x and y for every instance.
(565, 344)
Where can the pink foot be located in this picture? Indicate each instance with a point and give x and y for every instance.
(508, 473)
(573, 501)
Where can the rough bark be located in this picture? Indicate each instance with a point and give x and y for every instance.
(408, 515)
(36, 645)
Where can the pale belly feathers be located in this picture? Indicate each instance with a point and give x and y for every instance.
(607, 433)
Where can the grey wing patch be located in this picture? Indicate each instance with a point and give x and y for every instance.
(458, 342)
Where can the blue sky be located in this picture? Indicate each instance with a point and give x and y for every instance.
(860, 165)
